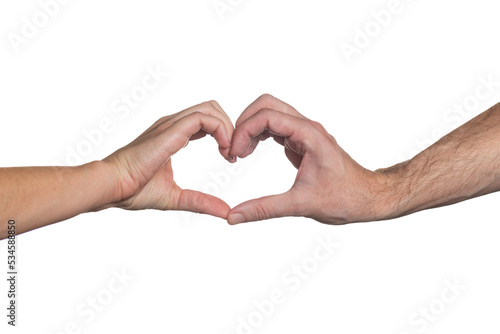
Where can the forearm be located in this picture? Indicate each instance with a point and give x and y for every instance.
(39, 196)
(462, 165)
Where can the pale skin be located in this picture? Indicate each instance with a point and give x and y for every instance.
(330, 186)
(136, 177)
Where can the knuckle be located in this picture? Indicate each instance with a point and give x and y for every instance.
(265, 97)
(194, 117)
(162, 124)
(265, 112)
(318, 126)
(311, 134)
(214, 103)
(321, 130)
(162, 120)
(196, 114)
(263, 211)
(208, 106)
(197, 198)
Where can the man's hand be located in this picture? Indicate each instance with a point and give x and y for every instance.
(330, 186)
(143, 169)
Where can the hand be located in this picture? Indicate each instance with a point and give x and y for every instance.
(330, 186)
(143, 170)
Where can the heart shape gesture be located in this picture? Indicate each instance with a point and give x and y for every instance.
(330, 186)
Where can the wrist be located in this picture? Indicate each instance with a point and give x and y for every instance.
(101, 176)
(392, 195)
(387, 195)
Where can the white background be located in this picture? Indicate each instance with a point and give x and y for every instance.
(196, 274)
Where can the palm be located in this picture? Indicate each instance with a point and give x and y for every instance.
(161, 192)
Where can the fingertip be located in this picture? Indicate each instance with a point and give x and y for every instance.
(235, 218)
(222, 211)
(236, 149)
(225, 152)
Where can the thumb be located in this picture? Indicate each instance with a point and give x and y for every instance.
(264, 208)
(198, 202)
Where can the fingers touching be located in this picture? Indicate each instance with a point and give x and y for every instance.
(287, 204)
(198, 202)
(267, 101)
(146, 183)
(290, 130)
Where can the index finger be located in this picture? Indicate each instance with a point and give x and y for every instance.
(293, 128)
(267, 101)
(211, 108)
(178, 135)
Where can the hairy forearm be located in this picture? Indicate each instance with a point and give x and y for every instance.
(38, 196)
(462, 165)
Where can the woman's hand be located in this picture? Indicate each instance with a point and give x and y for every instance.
(143, 170)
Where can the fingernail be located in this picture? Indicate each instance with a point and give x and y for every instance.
(236, 218)
(232, 158)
